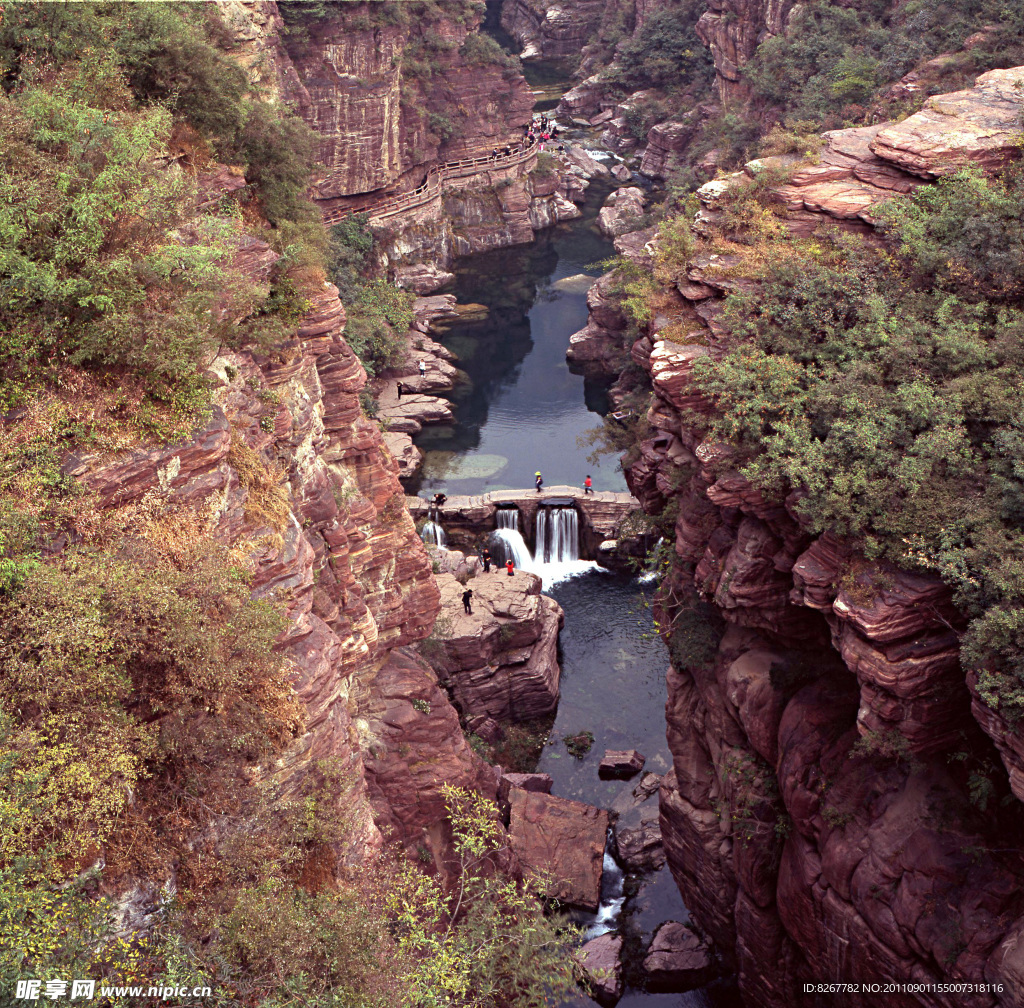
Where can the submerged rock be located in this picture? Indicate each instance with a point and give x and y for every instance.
(637, 828)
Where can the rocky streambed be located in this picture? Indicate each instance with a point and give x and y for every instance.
(517, 407)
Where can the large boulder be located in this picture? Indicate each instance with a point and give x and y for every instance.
(666, 146)
(601, 962)
(560, 842)
(621, 211)
(422, 278)
(621, 763)
(980, 125)
(502, 659)
(678, 959)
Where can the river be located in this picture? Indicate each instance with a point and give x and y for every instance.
(520, 409)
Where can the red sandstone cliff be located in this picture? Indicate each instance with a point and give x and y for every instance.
(804, 855)
(345, 561)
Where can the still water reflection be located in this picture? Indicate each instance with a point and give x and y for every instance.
(520, 409)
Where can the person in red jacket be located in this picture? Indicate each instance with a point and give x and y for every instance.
(511, 568)
(588, 487)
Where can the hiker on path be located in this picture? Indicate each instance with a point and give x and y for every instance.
(511, 568)
(588, 486)
(401, 389)
(423, 368)
(486, 557)
(466, 596)
(539, 481)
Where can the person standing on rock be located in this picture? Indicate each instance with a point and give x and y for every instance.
(485, 555)
(539, 481)
(423, 368)
(588, 486)
(510, 568)
(401, 389)
(466, 596)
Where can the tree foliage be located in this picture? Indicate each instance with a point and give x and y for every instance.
(884, 387)
(103, 261)
(834, 59)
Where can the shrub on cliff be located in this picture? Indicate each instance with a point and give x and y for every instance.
(379, 314)
(834, 60)
(885, 388)
(104, 263)
(482, 50)
(665, 53)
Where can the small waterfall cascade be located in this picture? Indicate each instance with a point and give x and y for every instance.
(433, 535)
(613, 895)
(507, 541)
(558, 535)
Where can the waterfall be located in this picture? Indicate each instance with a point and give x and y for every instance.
(558, 550)
(433, 534)
(507, 518)
(613, 884)
(507, 541)
(557, 535)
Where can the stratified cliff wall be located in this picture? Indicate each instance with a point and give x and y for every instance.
(391, 91)
(547, 30)
(347, 564)
(818, 817)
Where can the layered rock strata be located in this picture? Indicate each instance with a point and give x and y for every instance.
(340, 553)
(813, 818)
(501, 660)
(389, 97)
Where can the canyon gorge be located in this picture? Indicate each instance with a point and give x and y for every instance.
(445, 302)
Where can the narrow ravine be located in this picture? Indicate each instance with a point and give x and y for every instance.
(520, 410)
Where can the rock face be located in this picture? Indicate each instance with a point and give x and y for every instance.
(732, 30)
(352, 70)
(813, 819)
(547, 30)
(501, 661)
(601, 962)
(562, 842)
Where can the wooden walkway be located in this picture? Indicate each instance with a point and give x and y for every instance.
(432, 185)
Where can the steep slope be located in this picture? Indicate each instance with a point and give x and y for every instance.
(837, 810)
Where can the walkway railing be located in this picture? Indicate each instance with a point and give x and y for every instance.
(432, 185)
